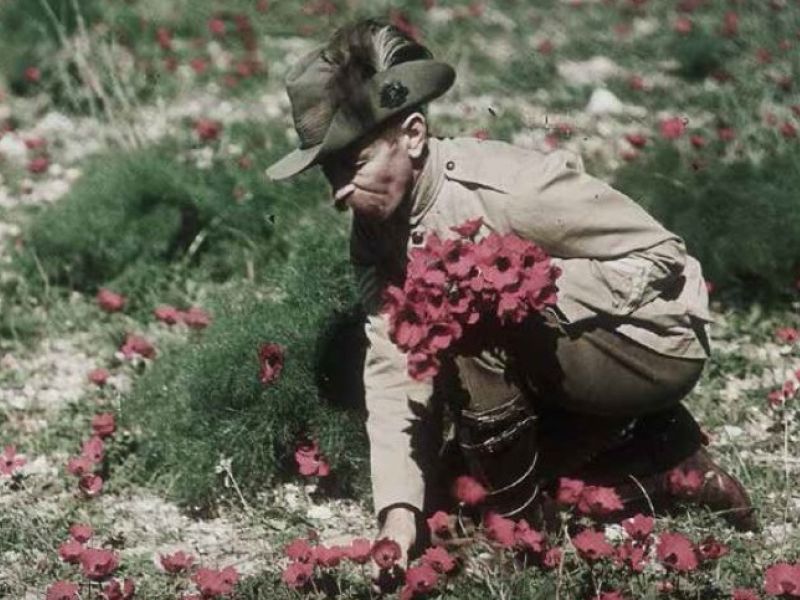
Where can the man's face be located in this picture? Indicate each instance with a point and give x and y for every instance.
(373, 177)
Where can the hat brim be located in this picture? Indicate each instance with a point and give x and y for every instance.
(424, 80)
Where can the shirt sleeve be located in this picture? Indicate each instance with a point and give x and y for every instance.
(614, 256)
(398, 409)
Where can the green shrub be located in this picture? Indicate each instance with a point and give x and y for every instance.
(202, 402)
(739, 219)
(138, 218)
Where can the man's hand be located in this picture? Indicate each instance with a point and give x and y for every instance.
(399, 525)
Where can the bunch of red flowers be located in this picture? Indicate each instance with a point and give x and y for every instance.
(452, 284)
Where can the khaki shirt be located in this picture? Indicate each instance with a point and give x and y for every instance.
(615, 260)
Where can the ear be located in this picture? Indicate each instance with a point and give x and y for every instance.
(415, 129)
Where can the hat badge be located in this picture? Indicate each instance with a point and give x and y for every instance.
(393, 94)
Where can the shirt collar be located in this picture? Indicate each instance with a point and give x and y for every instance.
(427, 186)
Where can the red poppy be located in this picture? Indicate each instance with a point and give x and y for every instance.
(711, 548)
(468, 491)
(528, 539)
(216, 27)
(212, 583)
(787, 335)
(788, 130)
(103, 424)
(299, 550)
(80, 532)
(639, 527)
(386, 552)
(636, 139)
(91, 485)
(196, 318)
(93, 449)
(35, 143)
(676, 552)
(136, 344)
(730, 24)
(359, 551)
(164, 38)
(114, 590)
(698, 141)
(684, 483)
(545, 47)
(177, 562)
(97, 563)
(439, 559)
(99, 376)
(631, 555)
(776, 398)
(71, 551)
(599, 501)
(110, 301)
(310, 461)
(167, 314)
(636, 83)
(672, 128)
(612, 595)
(569, 490)
(270, 358)
(62, 590)
(439, 523)
(329, 556)
(420, 580)
(10, 461)
(198, 65)
(32, 74)
(38, 165)
(551, 559)
(297, 574)
(592, 545)
(469, 228)
(79, 465)
(782, 579)
(499, 529)
(683, 25)
(207, 129)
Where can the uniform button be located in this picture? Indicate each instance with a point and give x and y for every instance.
(417, 237)
(450, 165)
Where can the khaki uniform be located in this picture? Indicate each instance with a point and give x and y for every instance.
(616, 261)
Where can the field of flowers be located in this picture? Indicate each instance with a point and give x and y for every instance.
(181, 411)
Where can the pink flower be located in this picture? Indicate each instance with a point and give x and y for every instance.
(136, 344)
(468, 491)
(297, 574)
(787, 335)
(599, 501)
(551, 559)
(93, 449)
(639, 527)
(329, 556)
(676, 552)
(299, 550)
(10, 461)
(528, 539)
(612, 595)
(113, 590)
(99, 376)
(730, 24)
(270, 358)
(97, 563)
(207, 129)
(32, 74)
(684, 483)
(672, 128)
(38, 165)
(198, 65)
(569, 491)
(104, 424)
(386, 552)
(499, 529)
(745, 594)
(683, 25)
(711, 549)
(166, 314)
(468, 229)
(419, 580)
(177, 562)
(79, 465)
(62, 590)
(213, 583)
(631, 556)
(359, 551)
(310, 461)
(216, 26)
(196, 318)
(35, 143)
(110, 301)
(71, 551)
(782, 579)
(80, 532)
(697, 141)
(637, 140)
(439, 559)
(90, 485)
(439, 523)
(788, 130)
(592, 545)
(726, 134)
(164, 38)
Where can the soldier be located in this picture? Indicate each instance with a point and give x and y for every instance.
(593, 390)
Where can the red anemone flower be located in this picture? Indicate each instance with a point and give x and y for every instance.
(270, 357)
(98, 563)
(469, 491)
(676, 552)
(386, 552)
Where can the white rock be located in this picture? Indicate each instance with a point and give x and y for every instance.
(603, 102)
